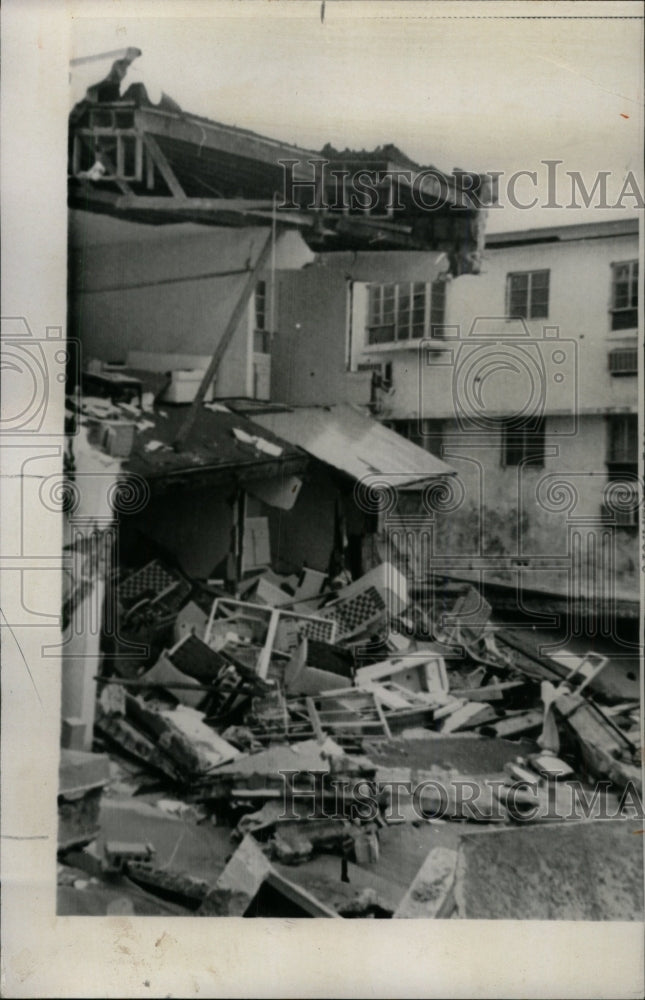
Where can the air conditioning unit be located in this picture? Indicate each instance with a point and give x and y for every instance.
(623, 361)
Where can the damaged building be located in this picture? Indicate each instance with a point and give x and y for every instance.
(271, 705)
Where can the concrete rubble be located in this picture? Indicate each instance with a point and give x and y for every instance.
(327, 758)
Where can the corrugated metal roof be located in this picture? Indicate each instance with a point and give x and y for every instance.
(358, 445)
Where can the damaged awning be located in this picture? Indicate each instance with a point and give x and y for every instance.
(353, 443)
(223, 447)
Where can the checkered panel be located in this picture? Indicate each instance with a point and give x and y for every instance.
(151, 579)
(324, 631)
(356, 613)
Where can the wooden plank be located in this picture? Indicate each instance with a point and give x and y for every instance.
(264, 660)
(315, 719)
(222, 211)
(225, 138)
(382, 719)
(150, 171)
(511, 726)
(163, 167)
(492, 692)
(601, 744)
(182, 201)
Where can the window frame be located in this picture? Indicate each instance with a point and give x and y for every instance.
(623, 361)
(625, 317)
(529, 311)
(261, 332)
(425, 432)
(622, 455)
(627, 519)
(400, 303)
(528, 444)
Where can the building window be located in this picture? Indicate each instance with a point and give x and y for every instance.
(624, 515)
(622, 453)
(261, 333)
(623, 361)
(527, 295)
(523, 445)
(406, 311)
(624, 295)
(426, 434)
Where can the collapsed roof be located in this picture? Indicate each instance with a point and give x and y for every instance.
(155, 163)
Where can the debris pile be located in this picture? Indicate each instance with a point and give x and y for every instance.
(303, 749)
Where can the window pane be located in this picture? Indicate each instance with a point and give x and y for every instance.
(624, 319)
(625, 286)
(397, 312)
(539, 294)
(621, 295)
(623, 439)
(518, 294)
(403, 313)
(261, 344)
(437, 303)
(539, 309)
(523, 446)
(634, 295)
(380, 334)
(512, 451)
(388, 304)
(374, 294)
(260, 305)
(419, 310)
(518, 304)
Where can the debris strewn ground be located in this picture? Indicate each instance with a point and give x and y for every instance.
(316, 750)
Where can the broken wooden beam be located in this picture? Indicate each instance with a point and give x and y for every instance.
(603, 751)
(225, 339)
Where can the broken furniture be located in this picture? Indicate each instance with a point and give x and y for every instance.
(82, 777)
(379, 594)
(119, 855)
(314, 667)
(585, 670)
(282, 629)
(347, 713)
(277, 734)
(418, 672)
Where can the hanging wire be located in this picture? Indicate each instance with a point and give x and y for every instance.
(274, 230)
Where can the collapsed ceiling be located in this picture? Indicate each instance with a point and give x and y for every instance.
(157, 164)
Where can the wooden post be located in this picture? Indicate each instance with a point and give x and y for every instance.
(264, 659)
(160, 162)
(224, 341)
(240, 536)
